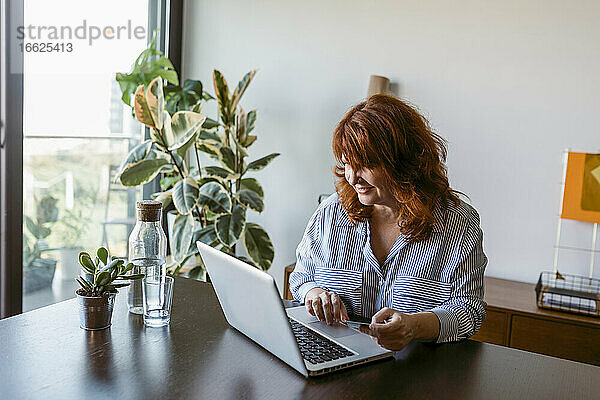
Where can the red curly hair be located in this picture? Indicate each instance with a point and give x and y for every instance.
(385, 132)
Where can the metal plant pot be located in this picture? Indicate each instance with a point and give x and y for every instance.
(95, 313)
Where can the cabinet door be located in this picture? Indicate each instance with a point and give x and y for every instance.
(559, 339)
(493, 329)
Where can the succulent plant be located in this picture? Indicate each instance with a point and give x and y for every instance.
(108, 273)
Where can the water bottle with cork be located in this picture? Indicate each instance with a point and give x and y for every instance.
(147, 250)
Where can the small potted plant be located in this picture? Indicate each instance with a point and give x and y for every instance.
(99, 286)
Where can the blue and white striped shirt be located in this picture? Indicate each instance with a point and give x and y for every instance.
(443, 274)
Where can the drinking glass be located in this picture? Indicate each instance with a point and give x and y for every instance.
(157, 294)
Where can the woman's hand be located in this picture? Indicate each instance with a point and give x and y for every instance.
(326, 306)
(391, 329)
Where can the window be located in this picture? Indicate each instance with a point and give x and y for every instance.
(76, 132)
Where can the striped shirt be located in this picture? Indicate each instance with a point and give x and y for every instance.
(443, 274)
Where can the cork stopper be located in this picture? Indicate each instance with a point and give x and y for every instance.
(148, 210)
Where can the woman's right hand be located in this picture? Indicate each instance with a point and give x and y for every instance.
(326, 306)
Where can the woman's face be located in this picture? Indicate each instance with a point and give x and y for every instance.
(370, 186)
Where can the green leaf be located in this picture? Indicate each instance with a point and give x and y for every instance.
(259, 164)
(227, 157)
(164, 197)
(210, 149)
(102, 254)
(183, 228)
(220, 173)
(181, 151)
(168, 138)
(223, 99)
(156, 101)
(250, 121)
(184, 125)
(127, 268)
(185, 195)
(249, 140)
(241, 88)
(138, 153)
(167, 182)
(142, 172)
(247, 261)
(128, 84)
(85, 285)
(252, 184)
(102, 279)
(210, 123)
(210, 136)
(229, 227)
(239, 147)
(142, 111)
(86, 262)
(169, 76)
(250, 199)
(240, 125)
(180, 98)
(196, 272)
(258, 245)
(206, 235)
(215, 197)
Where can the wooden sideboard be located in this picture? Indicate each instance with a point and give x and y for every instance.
(514, 320)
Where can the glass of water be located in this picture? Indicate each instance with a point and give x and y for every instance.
(157, 294)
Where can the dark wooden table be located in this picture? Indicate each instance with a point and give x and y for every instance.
(45, 355)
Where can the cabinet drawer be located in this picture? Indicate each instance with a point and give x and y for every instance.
(493, 329)
(558, 339)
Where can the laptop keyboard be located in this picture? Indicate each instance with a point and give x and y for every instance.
(316, 348)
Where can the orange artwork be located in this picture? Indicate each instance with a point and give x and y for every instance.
(581, 200)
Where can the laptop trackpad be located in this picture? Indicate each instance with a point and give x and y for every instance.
(333, 331)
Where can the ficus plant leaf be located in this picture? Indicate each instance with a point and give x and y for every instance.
(184, 125)
(226, 157)
(185, 195)
(258, 244)
(252, 184)
(250, 199)
(142, 171)
(207, 235)
(140, 106)
(223, 97)
(219, 172)
(183, 229)
(156, 101)
(250, 121)
(138, 153)
(241, 88)
(229, 227)
(214, 196)
(259, 164)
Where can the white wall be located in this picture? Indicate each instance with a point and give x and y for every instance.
(509, 84)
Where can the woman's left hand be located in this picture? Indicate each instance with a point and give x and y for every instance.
(391, 329)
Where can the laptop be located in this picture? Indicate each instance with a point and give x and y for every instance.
(251, 304)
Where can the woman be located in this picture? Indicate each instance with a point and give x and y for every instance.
(395, 243)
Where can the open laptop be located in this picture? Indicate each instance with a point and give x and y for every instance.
(252, 305)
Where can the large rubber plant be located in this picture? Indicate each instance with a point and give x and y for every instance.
(212, 201)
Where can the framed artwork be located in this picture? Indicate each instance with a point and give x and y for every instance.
(581, 199)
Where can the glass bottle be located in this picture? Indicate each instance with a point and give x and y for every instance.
(147, 250)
